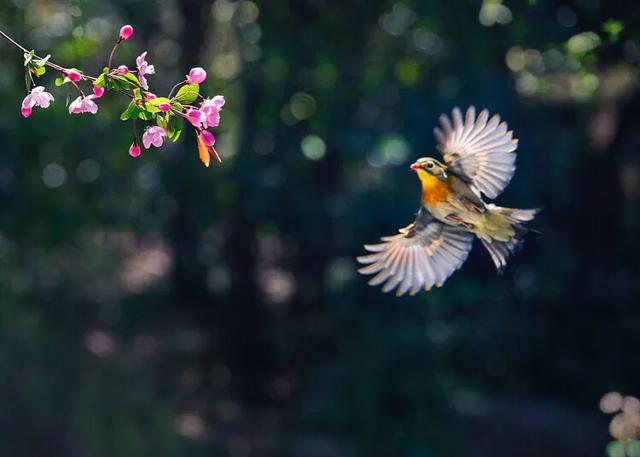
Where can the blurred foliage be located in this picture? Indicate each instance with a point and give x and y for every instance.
(151, 306)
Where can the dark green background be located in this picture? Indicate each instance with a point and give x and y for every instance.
(153, 307)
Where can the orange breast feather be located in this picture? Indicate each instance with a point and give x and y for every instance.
(434, 191)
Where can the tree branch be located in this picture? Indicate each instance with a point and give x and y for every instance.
(48, 64)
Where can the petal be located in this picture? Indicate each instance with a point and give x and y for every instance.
(218, 101)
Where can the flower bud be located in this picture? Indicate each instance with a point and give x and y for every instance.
(197, 75)
(123, 69)
(98, 91)
(164, 107)
(126, 32)
(134, 149)
(25, 111)
(73, 75)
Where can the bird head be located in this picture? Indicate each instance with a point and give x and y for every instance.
(431, 167)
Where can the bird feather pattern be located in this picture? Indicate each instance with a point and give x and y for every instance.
(479, 149)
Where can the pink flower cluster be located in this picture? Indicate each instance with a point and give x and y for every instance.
(208, 115)
(202, 113)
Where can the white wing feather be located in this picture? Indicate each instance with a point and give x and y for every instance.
(480, 149)
(422, 255)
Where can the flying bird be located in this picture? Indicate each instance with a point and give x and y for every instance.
(479, 160)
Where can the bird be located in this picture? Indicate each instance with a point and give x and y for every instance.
(478, 163)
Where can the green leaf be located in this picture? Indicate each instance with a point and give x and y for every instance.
(177, 106)
(150, 108)
(113, 84)
(133, 78)
(615, 449)
(131, 111)
(59, 81)
(161, 122)
(121, 82)
(174, 128)
(100, 81)
(145, 115)
(159, 101)
(188, 94)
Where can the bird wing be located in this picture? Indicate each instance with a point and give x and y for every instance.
(479, 149)
(424, 253)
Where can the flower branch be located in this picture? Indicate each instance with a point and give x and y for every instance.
(163, 115)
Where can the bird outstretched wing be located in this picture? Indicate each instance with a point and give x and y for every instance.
(480, 149)
(423, 254)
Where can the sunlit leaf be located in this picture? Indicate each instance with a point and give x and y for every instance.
(131, 111)
(133, 78)
(188, 94)
(159, 101)
(149, 107)
(100, 81)
(161, 122)
(174, 128)
(145, 115)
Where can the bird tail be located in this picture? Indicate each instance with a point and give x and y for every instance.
(502, 232)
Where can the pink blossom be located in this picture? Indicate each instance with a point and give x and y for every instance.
(126, 32)
(134, 149)
(196, 117)
(37, 97)
(123, 69)
(98, 91)
(211, 109)
(153, 136)
(164, 107)
(73, 75)
(149, 96)
(144, 69)
(207, 137)
(83, 105)
(196, 75)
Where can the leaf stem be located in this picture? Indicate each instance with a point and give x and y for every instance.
(115, 46)
(175, 87)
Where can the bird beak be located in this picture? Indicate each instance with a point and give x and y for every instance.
(415, 166)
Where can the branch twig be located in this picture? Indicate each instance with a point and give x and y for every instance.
(48, 64)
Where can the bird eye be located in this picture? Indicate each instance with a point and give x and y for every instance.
(429, 164)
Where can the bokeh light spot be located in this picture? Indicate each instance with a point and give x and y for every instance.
(313, 147)
(88, 170)
(302, 105)
(54, 175)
